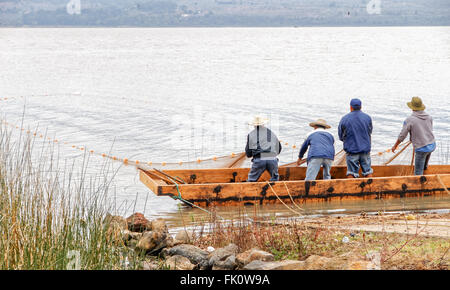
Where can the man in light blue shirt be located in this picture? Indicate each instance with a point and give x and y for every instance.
(321, 150)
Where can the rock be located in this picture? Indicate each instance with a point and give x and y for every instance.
(132, 244)
(279, 265)
(178, 262)
(170, 241)
(184, 237)
(210, 249)
(252, 255)
(127, 235)
(150, 265)
(219, 256)
(138, 223)
(316, 263)
(346, 261)
(358, 265)
(114, 225)
(152, 242)
(159, 225)
(164, 254)
(115, 221)
(228, 264)
(130, 238)
(351, 261)
(195, 255)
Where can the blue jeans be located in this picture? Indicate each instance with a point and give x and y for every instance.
(354, 161)
(314, 166)
(421, 162)
(261, 165)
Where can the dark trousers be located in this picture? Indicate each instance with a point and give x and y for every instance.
(421, 162)
(261, 165)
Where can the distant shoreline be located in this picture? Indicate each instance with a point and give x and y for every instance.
(303, 26)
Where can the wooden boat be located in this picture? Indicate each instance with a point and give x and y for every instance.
(227, 186)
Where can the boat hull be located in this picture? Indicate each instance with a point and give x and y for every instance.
(208, 187)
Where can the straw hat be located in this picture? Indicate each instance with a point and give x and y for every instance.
(258, 121)
(416, 104)
(321, 123)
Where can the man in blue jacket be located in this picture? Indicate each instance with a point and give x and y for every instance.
(321, 150)
(355, 130)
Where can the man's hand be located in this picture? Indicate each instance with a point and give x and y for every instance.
(394, 148)
(299, 161)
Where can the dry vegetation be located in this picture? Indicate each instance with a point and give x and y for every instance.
(301, 239)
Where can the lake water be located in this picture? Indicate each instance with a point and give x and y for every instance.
(178, 94)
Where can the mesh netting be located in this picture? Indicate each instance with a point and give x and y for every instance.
(403, 155)
(230, 161)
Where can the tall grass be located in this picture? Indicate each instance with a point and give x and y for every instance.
(52, 212)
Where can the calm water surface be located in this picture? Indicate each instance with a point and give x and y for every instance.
(166, 95)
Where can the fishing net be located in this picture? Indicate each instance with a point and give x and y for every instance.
(229, 161)
(403, 155)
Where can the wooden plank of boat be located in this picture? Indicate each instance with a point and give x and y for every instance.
(231, 175)
(227, 187)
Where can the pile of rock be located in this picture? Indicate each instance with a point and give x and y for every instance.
(153, 239)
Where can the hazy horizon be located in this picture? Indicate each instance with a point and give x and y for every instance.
(223, 13)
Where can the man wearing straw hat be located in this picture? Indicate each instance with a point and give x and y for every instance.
(355, 130)
(263, 147)
(321, 150)
(420, 128)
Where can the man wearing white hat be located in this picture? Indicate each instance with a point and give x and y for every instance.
(263, 147)
(321, 150)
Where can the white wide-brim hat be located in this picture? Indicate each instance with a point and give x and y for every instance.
(258, 121)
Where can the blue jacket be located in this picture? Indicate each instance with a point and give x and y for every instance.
(320, 143)
(355, 130)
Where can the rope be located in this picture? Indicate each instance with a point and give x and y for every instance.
(291, 209)
(179, 197)
(442, 183)
(398, 153)
(287, 189)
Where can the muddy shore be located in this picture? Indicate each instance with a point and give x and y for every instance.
(363, 242)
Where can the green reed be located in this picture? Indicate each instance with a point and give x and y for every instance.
(52, 212)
